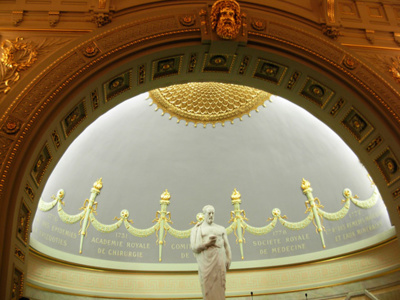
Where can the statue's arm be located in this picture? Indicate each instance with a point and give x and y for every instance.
(195, 245)
(227, 250)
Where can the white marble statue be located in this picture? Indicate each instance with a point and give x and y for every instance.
(210, 244)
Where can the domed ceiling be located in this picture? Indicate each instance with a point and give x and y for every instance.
(277, 159)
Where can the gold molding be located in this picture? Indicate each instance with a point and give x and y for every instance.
(371, 47)
(45, 30)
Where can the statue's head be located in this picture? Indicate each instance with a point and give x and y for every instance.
(225, 18)
(209, 212)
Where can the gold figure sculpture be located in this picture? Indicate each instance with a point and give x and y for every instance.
(225, 18)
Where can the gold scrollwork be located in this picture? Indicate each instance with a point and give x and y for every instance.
(17, 56)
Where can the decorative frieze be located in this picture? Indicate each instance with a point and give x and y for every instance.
(94, 98)
(141, 74)
(11, 126)
(55, 137)
(29, 191)
(388, 165)
(337, 107)
(292, 80)
(20, 254)
(316, 92)
(24, 217)
(41, 163)
(167, 66)
(244, 64)
(17, 287)
(192, 63)
(74, 118)
(374, 143)
(218, 62)
(357, 124)
(270, 71)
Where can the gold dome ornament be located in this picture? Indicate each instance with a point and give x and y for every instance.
(208, 102)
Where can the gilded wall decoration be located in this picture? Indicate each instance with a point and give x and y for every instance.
(331, 32)
(208, 102)
(292, 80)
(167, 66)
(244, 64)
(258, 24)
(226, 19)
(218, 62)
(270, 71)
(337, 107)
(349, 62)
(17, 287)
(370, 35)
(5, 144)
(17, 17)
(102, 4)
(29, 191)
(74, 118)
(138, 31)
(17, 56)
(389, 166)
(357, 124)
(11, 126)
(316, 92)
(374, 143)
(302, 41)
(348, 10)
(187, 20)
(90, 50)
(55, 137)
(239, 225)
(42, 162)
(376, 12)
(117, 85)
(141, 74)
(94, 97)
(54, 18)
(24, 217)
(192, 63)
(394, 68)
(32, 98)
(330, 10)
(101, 19)
(20, 254)
(203, 22)
(388, 64)
(396, 193)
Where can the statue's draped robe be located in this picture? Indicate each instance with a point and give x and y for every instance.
(212, 267)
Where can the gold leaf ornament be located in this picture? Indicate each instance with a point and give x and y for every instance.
(208, 102)
(16, 56)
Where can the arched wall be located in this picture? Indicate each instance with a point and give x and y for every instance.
(69, 90)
